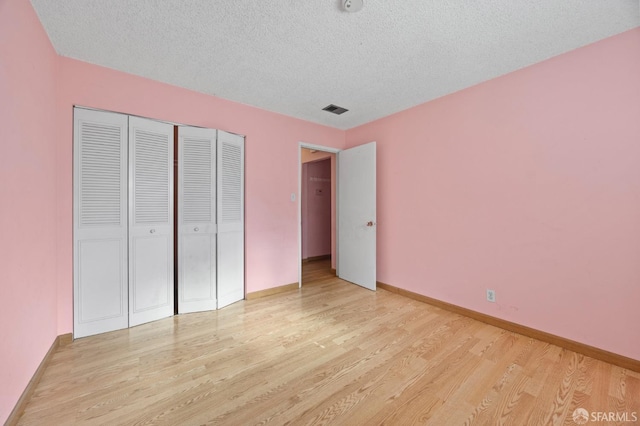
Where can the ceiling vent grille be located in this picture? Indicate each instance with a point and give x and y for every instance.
(335, 109)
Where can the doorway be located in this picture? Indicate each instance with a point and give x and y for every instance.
(317, 210)
(317, 200)
(354, 250)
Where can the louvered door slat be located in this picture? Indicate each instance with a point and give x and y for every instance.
(99, 222)
(231, 182)
(150, 220)
(151, 201)
(196, 219)
(230, 212)
(198, 156)
(100, 173)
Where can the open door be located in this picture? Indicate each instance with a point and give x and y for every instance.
(196, 219)
(357, 215)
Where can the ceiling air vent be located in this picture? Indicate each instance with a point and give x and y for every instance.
(335, 109)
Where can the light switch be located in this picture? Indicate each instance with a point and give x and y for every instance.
(293, 196)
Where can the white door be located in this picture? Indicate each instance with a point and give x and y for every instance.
(196, 219)
(230, 218)
(150, 220)
(99, 222)
(357, 215)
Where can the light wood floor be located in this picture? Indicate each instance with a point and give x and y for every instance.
(331, 353)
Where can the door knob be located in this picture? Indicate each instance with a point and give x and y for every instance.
(370, 223)
(196, 229)
(152, 231)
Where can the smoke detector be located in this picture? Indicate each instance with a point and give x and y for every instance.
(352, 5)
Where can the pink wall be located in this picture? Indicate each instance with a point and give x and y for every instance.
(528, 184)
(316, 208)
(27, 193)
(271, 163)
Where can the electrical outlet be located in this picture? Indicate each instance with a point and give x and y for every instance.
(491, 295)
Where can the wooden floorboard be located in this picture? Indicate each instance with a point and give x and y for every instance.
(328, 353)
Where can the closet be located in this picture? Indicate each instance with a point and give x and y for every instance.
(124, 220)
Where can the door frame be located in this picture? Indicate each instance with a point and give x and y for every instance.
(322, 148)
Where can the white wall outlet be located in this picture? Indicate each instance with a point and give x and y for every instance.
(491, 295)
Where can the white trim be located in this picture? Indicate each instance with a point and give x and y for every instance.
(323, 149)
(318, 147)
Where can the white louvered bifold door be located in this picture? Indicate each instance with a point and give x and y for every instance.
(196, 219)
(99, 222)
(150, 220)
(230, 218)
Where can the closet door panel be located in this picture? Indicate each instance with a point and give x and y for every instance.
(149, 259)
(196, 219)
(150, 220)
(231, 268)
(198, 274)
(100, 270)
(230, 218)
(100, 286)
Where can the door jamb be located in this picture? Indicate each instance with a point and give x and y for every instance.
(324, 149)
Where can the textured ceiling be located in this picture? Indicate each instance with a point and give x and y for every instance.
(297, 56)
